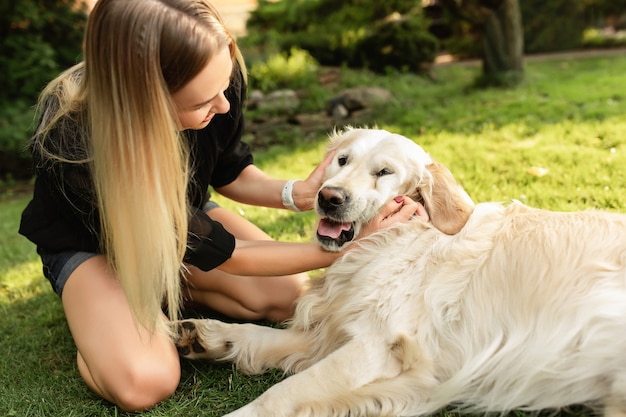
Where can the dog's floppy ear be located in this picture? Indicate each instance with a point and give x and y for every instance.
(447, 204)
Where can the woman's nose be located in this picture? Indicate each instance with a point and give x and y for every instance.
(222, 105)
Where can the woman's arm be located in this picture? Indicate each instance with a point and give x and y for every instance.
(268, 258)
(255, 187)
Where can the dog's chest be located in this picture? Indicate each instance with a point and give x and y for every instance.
(383, 294)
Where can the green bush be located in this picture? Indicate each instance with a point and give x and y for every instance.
(403, 43)
(38, 39)
(338, 33)
(593, 38)
(296, 69)
(16, 124)
(555, 25)
(285, 16)
(330, 47)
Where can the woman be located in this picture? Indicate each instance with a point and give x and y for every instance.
(128, 143)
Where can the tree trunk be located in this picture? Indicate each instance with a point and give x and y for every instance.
(503, 45)
(502, 36)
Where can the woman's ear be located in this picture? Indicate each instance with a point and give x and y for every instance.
(446, 202)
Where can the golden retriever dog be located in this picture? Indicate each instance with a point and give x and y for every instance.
(516, 308)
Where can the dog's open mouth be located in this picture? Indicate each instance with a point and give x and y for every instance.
(333, 231)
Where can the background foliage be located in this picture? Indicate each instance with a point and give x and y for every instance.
(370, 33)
(549, 26)
(38, 39)
(554, 25)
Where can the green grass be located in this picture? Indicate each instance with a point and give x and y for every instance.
(565, 122)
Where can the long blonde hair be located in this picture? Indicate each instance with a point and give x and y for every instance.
(137, 54)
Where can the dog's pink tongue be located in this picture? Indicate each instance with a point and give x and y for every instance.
(332, 229)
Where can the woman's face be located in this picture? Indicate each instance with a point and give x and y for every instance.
(203, 97)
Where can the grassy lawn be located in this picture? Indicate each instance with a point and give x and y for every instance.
(557, 142)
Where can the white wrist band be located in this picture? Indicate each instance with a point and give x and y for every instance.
(287, 196)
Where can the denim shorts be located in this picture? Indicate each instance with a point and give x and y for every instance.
(209, 205)
(58, 267)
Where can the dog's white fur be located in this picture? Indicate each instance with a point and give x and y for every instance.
(522, 308)
(370, 167)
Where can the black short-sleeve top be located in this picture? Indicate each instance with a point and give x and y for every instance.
(63, 214)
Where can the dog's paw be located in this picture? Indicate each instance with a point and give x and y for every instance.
(186, 339)
(199, 338)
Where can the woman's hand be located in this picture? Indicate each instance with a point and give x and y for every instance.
(305, 192)
(400, 209)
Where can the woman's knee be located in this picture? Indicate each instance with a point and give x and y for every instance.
(148, 387)
(138, 385)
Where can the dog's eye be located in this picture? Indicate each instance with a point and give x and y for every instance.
(342, 160)
(383, 172)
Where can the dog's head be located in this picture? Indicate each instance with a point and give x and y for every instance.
(369, 168)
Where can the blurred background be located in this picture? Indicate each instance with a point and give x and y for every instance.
(40, 38)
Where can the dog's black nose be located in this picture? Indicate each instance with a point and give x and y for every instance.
(330, 198)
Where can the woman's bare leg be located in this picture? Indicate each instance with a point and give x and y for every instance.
(118, 359)
(244, 297)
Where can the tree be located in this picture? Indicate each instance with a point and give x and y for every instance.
(499, 23)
